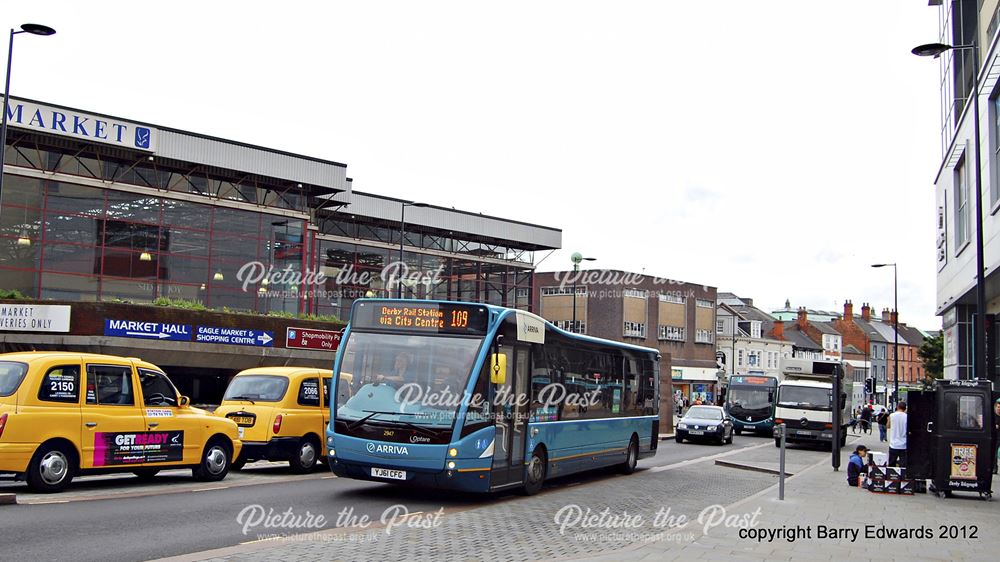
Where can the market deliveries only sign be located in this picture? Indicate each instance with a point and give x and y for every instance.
(34, 317)
(307, 338)
(133, 448)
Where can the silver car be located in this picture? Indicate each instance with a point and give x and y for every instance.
(705, 423)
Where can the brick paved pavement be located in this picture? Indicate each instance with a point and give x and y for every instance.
(527, 528)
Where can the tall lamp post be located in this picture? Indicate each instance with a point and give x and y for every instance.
(402, 235)
(34, 29)
(895, 330)
(576, 258)
(979, 361)
(874, 356)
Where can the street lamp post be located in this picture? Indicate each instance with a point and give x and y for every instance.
(576, 258)
(402, 235)
(874, 378)
(34, 29)
(895, 330)
(979, 359)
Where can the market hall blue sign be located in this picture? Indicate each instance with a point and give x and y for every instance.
(76, 124)
(234, 336)
(147, 330)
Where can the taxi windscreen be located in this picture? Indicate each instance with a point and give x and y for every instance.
(11, 374)
(257, 388)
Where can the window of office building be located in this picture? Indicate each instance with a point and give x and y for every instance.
(670, 333)
(634, 330)
(961, 198)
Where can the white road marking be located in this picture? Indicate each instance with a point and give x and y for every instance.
(703, 459)
(210, 489)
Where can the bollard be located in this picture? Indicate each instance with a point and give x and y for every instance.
(781, 464)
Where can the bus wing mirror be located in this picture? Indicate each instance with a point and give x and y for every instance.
(498, 368)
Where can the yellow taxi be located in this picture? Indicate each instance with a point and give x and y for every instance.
(282, 413)
(66, 414)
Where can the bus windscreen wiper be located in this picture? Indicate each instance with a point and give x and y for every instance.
(371, 414)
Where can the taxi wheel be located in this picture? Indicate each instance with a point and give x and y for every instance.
(305, 457)
(51, 469)
(214, 461)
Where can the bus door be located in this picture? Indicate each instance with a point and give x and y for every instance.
(511, 419)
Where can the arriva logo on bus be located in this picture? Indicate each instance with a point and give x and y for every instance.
(381, 448)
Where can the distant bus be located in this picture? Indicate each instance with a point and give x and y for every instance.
(507, 400)
(750, 402)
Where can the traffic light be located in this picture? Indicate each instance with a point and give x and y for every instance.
(869, 386)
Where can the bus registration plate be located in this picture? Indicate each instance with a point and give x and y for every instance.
(386, 473)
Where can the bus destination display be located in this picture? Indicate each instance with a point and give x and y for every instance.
(438, 318)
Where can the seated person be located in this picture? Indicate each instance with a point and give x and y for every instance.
(397, 376)
(857, 465)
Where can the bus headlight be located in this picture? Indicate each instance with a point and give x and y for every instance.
(331, 453)
(329, 441)
(453, 452)
(451, 465)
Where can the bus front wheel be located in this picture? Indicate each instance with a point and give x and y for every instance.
(534, 473)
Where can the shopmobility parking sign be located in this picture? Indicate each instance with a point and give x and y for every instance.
(308, 338)
(147, 330)
(79, 125)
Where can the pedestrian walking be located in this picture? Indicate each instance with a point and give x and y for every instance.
(897, 435)
(882, 419)
(866, 419)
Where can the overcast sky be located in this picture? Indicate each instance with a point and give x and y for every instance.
(771, 149)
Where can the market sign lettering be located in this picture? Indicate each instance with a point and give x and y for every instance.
(34, 317)
(71, 123)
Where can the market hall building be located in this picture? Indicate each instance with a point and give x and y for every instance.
(102, 214)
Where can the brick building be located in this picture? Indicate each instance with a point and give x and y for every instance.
(677, 318)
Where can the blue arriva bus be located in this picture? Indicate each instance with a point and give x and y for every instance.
(750, 403)
(481, 398)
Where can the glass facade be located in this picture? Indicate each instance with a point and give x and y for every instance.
(72, 242)
(352, 271)
(207, 235)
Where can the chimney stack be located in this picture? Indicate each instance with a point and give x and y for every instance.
(885, 315)
(866, 312)
(748, 301)
(894, 318)
(779, 330)
(848, 311)
(803, 319)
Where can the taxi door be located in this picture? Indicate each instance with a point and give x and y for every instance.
(113, 422)
(174, 434)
